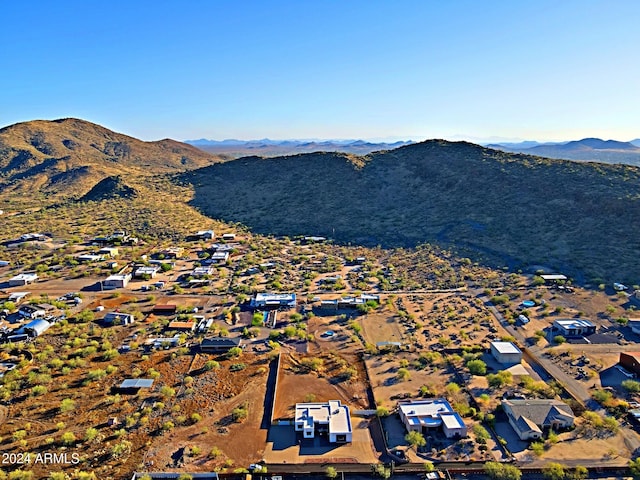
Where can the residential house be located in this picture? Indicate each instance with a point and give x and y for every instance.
(31, 311)
(118, 318)
(219, 344)
(146, 272)
(553, 279)
(133, 385)
(271, 300)
(529, 417)
(182, 326)
(424, 415)
(331, 417)
(89, 258)
(228, 237)
(200, 272)
(116, 281)
(173, 252)
(573, 327)
(23, 279)
(219, 257)
(506, 353)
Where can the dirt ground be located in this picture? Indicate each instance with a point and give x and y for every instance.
(297, 385)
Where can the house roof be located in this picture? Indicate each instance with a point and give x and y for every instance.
(221, 342)
(505, 347)
(635, 355)
(137, 383)
(539, 411)
(179, 324)
(332, 412)
(573, 323)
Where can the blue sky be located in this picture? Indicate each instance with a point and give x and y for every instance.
(538, 69)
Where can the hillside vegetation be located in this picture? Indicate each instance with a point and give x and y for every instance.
(508, 209)
(67, 157)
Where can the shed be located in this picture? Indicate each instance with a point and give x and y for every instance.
(165, 309)
(35, 328)
(506, 352)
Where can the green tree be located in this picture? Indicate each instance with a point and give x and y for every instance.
(403, 374)
(554, 471)
(634, 467)
(501, 471)
(331, 472)
(579, 473)
(415, 439)
(632, 386)
(477, 367)
(68, 438)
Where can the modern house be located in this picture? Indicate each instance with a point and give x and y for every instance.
(506, 353)
(348, 302)
(23, 279)
(331, 417)
(116, 281)
(202, 235)
(529, 417)
(173, 252)
(273, 300)
(423, 415)
(219, 257)
(117, 318)
(573, 327)
(200, 272)
(219, 344)
(227, 237)
(31, 311)
(35, 328)
(144, 271)
(630, 361)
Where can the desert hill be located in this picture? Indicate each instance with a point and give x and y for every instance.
(67, 157)
(509, 209)
(587, 149)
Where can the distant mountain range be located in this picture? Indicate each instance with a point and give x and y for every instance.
(269, 148)
(587, 149)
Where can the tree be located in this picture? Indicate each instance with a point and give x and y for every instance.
(90, 434)
(559, 339)
(415, 439)
(580, 473)
(632, 386)
(501, 471)
(554, 471)
(68, 438)
(403, 374)
(477, 367)
(331, 472)
(634, 467)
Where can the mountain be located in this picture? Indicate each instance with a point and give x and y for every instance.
(505, 209)
(67, 157)
(635, 142)
(587, 149)
(269, 148)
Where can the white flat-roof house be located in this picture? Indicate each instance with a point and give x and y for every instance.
(150, 271)
(331, 417)
(422, 415)
(273, 300)
(573, 327)
(204, 271)
(23, 279)
(506, 352)
(116, 281)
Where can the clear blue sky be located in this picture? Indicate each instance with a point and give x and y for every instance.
(537, 69)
